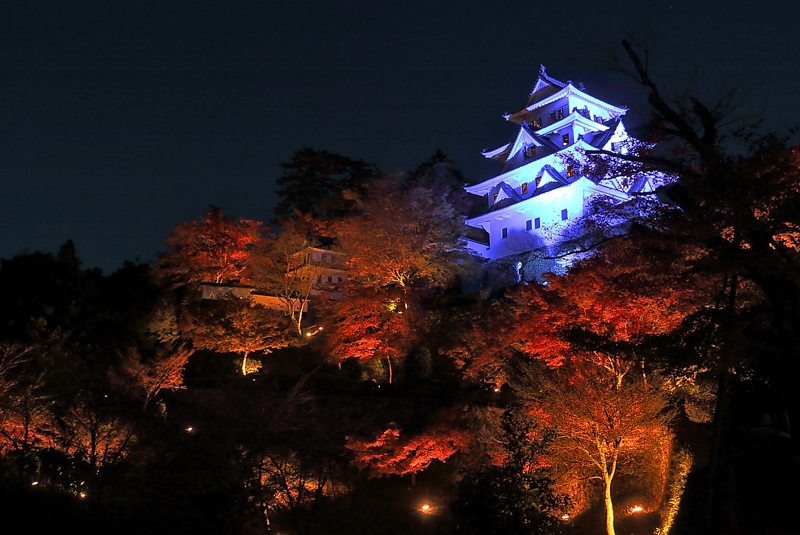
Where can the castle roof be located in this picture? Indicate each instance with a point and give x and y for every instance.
(538, 97)
(527, 135)
(599, 139)
(543, 81)
(496, 152)
(571, 90)
(509, 205)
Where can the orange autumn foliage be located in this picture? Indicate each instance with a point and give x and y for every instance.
(94, 433)
(602, 429)
(402, 235)
(391, 453)
(234, 327)
(369, 324)
(603, 308)
(214, 249)
(163, 371)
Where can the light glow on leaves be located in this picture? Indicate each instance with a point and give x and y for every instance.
(390, 453)
(214, 249)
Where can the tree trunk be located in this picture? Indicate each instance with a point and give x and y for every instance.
(297, 317)
(389, 361)
(609, 507)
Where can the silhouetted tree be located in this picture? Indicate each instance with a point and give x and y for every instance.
(514, 497)
(314, 182)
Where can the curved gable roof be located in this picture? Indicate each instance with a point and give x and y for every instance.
(543, 81)
(600, 139)
(572, 90)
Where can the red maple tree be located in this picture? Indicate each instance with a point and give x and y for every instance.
(214, 249)
(393, 453)
(603, 308)
(162, 371)
(368, 325)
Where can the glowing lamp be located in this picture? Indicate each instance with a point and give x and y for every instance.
(565, 517)
(426, 508)
(189, 429)
(636, 509)
(83, 494)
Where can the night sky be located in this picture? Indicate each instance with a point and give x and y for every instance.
(121, 119)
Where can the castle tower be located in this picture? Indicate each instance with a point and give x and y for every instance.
(542, 189)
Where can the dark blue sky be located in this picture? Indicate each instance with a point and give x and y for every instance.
(121, 119)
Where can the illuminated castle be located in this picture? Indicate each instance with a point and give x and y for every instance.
(543, 191)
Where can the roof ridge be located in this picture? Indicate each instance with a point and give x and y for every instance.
(545, 77)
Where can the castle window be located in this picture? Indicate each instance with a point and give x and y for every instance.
(564, 215)
(504, 232)
(565, 140)
(530, 152)
(524, 188)
(537, 223)
(319, 279)
(494, 196)
(537, 123)
(338, 279)
(557, 115)
(571, 171)
(528, 224)
(330, 279)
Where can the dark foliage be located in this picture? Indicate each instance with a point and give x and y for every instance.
(514, 498)
(314, 182)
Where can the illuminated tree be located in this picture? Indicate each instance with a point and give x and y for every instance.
(94, 431)
(287, 267)
(606, 308)
(483, 338)
(24, 413)
(600, 427)
(734, 200)
(368, 325)
(235, 327)
(515, 496)
(291, 443)
(12, 357)
(389, 453)
(402, 236)
(214, 249)
(292, 483)
(604, 311)
(162, 371)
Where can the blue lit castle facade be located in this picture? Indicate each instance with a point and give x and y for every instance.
(536, 202)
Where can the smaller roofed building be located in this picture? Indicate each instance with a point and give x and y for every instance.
(542, 188)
